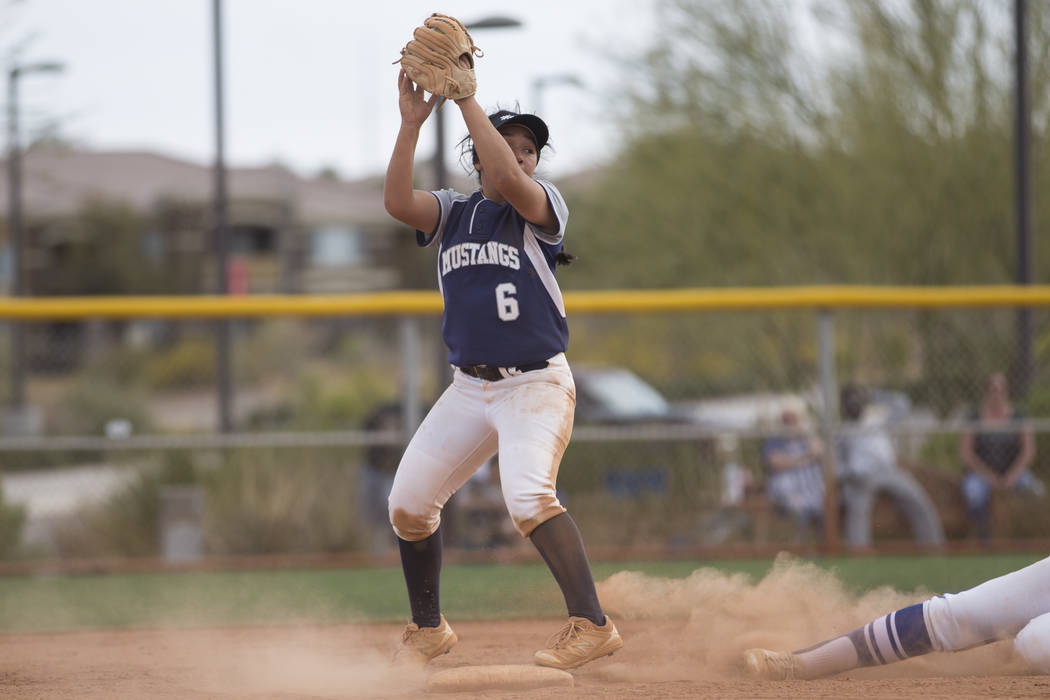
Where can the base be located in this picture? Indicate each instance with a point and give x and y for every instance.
(506, 677)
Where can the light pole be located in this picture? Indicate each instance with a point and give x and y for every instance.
(440, 174)
(1023, 365)
(14, 213)
(220, 210)
(542, 82)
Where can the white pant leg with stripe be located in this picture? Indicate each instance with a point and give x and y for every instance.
(996, 609)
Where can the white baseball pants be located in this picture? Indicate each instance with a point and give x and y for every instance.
(996, 609)
(527, 419)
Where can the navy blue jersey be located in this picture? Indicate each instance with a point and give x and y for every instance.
(503, 306)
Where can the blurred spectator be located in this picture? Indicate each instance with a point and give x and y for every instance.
(730, 517)
(997, 452)
(795, 476)
(377, 476)
(868, 465)
(483, 512)
(735, 478)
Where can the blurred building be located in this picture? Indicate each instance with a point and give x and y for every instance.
(288, 233)
(130, 222)
(135, 222)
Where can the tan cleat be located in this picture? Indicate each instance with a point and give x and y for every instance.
(419, 645)
(578, 642)
(772, 665)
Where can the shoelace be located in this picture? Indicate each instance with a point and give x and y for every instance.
(781, 665)
(409, 632)
(404, 649)
(566, 634)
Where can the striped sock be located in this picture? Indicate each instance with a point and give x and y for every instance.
(890, 638)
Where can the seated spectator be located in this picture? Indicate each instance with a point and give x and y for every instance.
(729, 518)
(795, 475)
(997, 451)
(867, 466)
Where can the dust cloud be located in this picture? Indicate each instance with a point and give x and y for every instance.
(336, 662)
(711, 617)
(193, 645)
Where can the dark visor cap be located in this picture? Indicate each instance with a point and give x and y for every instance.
(529, 121)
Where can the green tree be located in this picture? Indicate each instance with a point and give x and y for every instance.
(863, 142)
(750, 160)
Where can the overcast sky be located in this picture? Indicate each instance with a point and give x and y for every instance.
(309, 83)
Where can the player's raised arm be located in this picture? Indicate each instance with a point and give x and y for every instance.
(417, 208)
(507, 164)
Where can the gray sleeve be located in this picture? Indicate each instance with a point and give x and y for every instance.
(561, 213)
(445, 198)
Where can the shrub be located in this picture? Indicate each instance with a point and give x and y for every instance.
(86, 407)
(326, 399)
(281, 501)
(189, 363)
(255, 502)
(269, 348)
(127, 523)
(12, 519)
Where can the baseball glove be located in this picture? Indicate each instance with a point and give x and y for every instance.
(440, 58)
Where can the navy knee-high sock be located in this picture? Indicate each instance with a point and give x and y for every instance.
(559, 543)
(421, 563)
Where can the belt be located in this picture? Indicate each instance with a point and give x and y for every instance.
(494, 374)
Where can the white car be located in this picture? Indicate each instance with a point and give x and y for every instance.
(617, 395)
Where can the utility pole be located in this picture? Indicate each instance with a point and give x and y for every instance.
(18, 420)
(1024, 369)
(222, 244)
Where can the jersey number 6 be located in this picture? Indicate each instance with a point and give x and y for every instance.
(506, 304)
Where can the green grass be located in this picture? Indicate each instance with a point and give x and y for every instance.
(476, 591)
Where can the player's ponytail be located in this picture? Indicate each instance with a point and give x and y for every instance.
(564, 258)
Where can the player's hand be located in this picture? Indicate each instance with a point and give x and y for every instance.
(412, 102)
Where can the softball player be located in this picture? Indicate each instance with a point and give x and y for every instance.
(512, 391)
(1015, 605)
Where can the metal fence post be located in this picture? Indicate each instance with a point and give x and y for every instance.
(828, 425)
(410, 375)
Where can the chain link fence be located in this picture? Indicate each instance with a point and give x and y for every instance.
(116, 453)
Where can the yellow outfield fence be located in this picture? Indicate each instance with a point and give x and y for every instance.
(194, 427)
(610, 302)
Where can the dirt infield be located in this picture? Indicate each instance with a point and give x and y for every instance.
(683, 638)
(347, 661)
